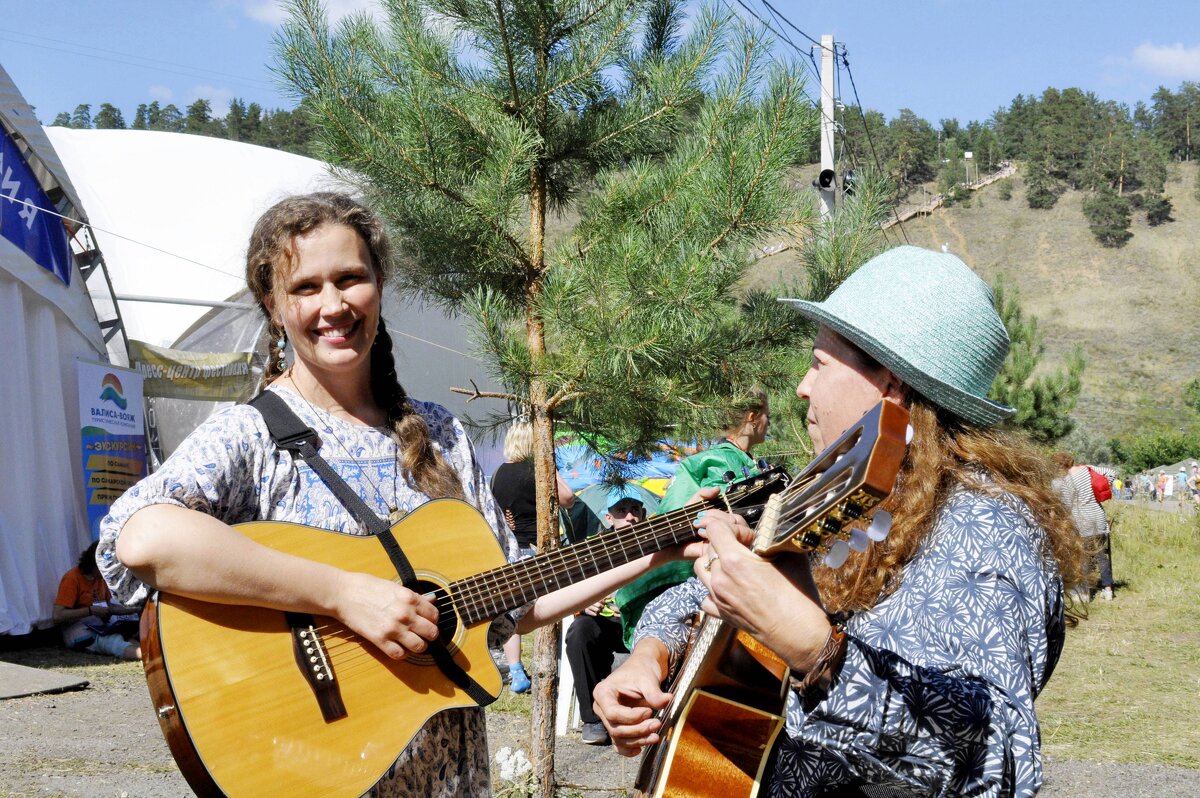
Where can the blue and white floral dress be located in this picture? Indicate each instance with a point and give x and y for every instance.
(935, 697)
(230, 468)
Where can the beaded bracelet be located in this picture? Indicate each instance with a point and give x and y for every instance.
(828, 659)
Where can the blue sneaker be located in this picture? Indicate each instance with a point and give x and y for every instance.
(518, 681)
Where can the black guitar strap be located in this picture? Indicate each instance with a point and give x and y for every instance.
(291, 434)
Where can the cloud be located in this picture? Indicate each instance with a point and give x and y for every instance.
(161, 93)
(273, 13)
(1168, 60)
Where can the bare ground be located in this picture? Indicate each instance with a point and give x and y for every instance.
(103, 742)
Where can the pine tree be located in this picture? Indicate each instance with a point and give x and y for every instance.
(109, 118)
(82, 118)
(1041, 190)
(952, 175)
(1108, 217)
(235, 120)
(469, 123)
(1043, 403)
(198, 117)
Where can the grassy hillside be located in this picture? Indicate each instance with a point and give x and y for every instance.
(1136, 310)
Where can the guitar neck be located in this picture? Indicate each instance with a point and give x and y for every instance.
(487, 595)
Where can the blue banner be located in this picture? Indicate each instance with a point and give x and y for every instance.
(22, 219)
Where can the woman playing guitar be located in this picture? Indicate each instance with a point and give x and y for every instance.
(923, 683)
(317, 265)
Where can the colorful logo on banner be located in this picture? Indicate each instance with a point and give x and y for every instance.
(24, 219)
(114, 443)
(208, 376)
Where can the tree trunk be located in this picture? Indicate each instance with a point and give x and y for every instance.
(546, 641)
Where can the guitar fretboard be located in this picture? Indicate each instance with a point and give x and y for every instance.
(487, 595)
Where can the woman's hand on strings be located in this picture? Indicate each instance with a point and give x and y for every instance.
(773, 600)
(397, 620)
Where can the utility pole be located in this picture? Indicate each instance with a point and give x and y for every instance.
(827, 181)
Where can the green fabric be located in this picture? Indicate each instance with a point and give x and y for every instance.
(706, 469)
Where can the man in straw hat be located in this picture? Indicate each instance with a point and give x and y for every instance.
(922, 680)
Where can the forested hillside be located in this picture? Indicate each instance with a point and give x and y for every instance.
(279, 129)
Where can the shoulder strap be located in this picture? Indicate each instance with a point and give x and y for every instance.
(292, 435)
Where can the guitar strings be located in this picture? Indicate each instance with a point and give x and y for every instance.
(336, 638)
(476, 592)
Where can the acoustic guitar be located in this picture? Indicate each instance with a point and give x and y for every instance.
(258, 702)
(729, 697)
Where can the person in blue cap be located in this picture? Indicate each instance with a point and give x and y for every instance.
(594, 637)
(728, 460)
(915, 666)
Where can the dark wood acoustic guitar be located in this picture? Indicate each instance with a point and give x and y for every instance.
(729, 696)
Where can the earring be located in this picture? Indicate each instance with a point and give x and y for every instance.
(281, 351)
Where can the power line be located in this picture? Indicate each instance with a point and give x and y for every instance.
(92, 227)
(813, 70)
(132, 60)
(867, 131)
(789, 23)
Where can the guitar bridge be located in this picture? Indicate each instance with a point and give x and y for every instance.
(313, 659)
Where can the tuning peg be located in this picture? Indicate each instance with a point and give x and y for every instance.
(859, 540)
(839, 550)
(852, 510)
(881, 524)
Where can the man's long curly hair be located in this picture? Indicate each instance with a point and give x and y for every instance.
(945, 453)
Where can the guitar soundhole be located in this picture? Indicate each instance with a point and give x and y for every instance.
(449, 628)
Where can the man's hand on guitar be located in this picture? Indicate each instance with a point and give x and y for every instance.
(762, 597)
(628, 699)
(395, 619)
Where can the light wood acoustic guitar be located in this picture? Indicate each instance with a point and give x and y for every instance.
(730, 694)
(258, 702)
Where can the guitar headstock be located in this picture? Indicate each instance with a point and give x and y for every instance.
(842, 485)
(748, 497)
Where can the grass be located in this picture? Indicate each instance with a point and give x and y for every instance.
(1128, 685)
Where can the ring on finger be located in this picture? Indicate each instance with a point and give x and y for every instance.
(709, 562)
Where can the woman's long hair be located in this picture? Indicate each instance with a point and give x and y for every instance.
(271, 256)
(946, 452)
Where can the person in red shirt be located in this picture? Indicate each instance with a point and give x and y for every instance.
(90, 621)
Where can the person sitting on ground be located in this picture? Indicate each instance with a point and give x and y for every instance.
(594, 637)
(89, 619)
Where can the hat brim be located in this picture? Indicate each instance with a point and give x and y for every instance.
(975, 409)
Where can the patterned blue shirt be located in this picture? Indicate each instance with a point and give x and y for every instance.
(229, 468)
(935, 697)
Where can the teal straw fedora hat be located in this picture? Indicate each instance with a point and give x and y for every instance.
(927, 318)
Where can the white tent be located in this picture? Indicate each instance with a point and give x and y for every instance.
(50, 324)
(173, 213)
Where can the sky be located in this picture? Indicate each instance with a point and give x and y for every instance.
(939, 58)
